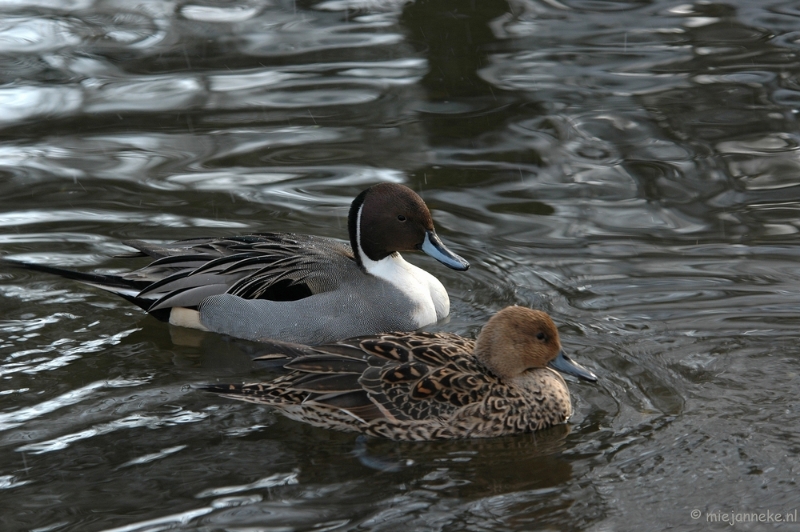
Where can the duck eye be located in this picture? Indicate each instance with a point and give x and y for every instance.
(540, 336)
(401, 217)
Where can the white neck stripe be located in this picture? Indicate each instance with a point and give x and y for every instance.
(360, 250)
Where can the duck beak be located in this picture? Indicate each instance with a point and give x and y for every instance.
(563, 364)
(434, 247)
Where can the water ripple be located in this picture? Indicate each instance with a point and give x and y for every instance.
(26, 102)
(10, 481)
(152, 457)
(28, 35)
(21, 218)
(133, 421)
(278, 479)
(218, 14)
(150, 95)
(159, 523)
(15, 418)
(630, 167)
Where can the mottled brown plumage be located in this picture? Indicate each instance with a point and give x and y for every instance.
(424, 386)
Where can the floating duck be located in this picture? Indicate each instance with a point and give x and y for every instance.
(426, 386)
(295, 288)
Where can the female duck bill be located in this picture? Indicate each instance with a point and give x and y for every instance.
(564, 364)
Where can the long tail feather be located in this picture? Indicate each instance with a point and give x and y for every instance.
(127, 289)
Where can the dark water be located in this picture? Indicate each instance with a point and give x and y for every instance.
(632, 167)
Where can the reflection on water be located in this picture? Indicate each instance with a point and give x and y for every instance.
(630, 167)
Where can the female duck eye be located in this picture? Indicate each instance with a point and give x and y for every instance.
(401, 217)
(540, 336)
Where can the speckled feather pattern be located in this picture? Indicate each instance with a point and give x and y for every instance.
(410, 386)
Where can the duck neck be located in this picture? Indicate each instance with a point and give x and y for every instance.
(491, 351)
(367, 258)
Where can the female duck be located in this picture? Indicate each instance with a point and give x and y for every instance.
(424, 386)
(296, 288)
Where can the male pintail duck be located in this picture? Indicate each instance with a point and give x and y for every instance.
(295, 288)
(425, 386)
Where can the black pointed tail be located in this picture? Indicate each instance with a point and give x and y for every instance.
(116, 284)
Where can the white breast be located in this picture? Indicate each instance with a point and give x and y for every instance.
(432, 302)
(420, 286)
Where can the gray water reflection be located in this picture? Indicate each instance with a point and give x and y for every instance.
(630, 167)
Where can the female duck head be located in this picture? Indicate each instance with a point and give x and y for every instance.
(518, 339)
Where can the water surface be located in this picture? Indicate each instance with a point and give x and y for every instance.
(629, 166)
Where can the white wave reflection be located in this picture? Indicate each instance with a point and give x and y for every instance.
(130, 422)
(68, 355)
(10, 481)
(241, 142)
(162, 523)
(9, 420)
(770, 143)
(137, 30)
(28, 325)
(263, 187)
(249, 80)
(29, 35)
(28, 294)
(227, 181)
(230, 502)
(418, 65)
(237, 432)
(278, 479)
(362, 5)
(152, 457)
(105, 89)
(297, 99)
(22, 103)
(18, 218)
(165, 93)
(64, 5)
(29, 238)
(397, 72)
(218, 14)
(378, 74)
(9, 392)
(304, 38)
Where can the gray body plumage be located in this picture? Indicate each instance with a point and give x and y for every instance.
(343, 301)
(355, 307)
(296, 288)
